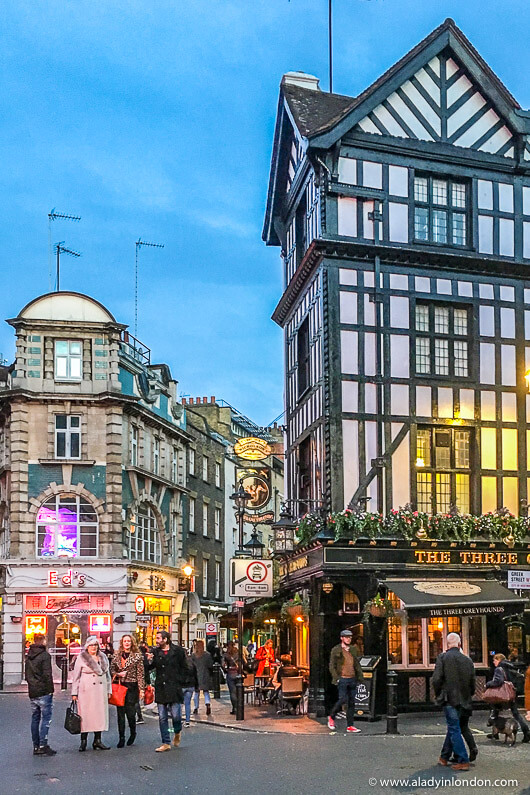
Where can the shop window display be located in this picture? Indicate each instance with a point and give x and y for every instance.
(67, 527)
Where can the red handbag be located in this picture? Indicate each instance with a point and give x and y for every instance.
(149, 695)
(119, 692)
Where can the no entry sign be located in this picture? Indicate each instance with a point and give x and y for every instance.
(250, 577)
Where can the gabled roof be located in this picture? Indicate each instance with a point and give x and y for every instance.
(314, 110)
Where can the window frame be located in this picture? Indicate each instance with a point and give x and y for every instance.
(218, 474)
(156, 455)
(303, 356)
(432, 468)
(70, 357)
(450, 338)
(191, 514)
(205, 468)
(134, 436)
(205, 578)
(430, 206)
(205, 519)
(217, 524)
(191, 461)
(80, 505)
(150, 540)
(68, 433)
(217, 580)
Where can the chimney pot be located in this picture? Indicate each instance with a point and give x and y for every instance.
(191, 401)
(183, 401)
(212, 399)
(205, 400)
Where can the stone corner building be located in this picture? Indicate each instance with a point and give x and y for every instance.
(403, 219)
(93, 452)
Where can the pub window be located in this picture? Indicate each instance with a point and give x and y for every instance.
(350, 603)
(443, 470)
(68, 360)
(395, 641)
(415, 641)
(67, 436)
(303, 357)
(442, 340)
(440, 211)
(514, 634)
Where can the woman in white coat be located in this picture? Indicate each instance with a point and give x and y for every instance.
(91, 687)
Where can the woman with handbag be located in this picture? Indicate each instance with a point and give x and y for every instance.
(127, 667)
(501, 682)
(91, 687)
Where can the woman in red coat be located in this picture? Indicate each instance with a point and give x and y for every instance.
(266, 658)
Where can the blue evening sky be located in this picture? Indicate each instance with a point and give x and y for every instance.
(155, 119)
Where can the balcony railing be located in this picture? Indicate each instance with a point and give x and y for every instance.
(132, 347)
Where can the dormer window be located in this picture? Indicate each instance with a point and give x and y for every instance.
(440, 211)
(68, 360)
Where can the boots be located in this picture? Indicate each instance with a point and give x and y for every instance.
(97, 745)
(132, 738)
(121, 741)
(84, 736)
(208, 709)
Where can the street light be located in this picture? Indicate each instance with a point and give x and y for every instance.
(283, 532)
(188, 573)
(240, 498)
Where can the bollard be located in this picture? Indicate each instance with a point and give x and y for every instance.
(216, 678)
(64, 672)
(391, 708)
(240, 698)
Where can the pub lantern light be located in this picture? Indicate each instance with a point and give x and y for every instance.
(327, 587)
(254, 546)
(283, 533)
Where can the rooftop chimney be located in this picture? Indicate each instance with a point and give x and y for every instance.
(301, 79)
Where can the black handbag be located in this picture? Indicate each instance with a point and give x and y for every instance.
(72, 720)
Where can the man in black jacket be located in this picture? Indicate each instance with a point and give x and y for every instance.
(454, 685)
(40, 692)
(169, 662)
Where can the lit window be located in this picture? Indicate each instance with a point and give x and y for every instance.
(443, 479)
(68, 360)
(423, 448)
(395, 641)
(67, 527)
(424, 492)
(67, 436)
(350, 601)
(443, 493)
(415, 641)
(144, 536)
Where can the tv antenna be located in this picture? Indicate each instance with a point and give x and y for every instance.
(60, 248)
(139, 243)
(54, 216)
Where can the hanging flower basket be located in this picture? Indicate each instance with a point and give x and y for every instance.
(378, 607)
(376, 611)
(294, 608)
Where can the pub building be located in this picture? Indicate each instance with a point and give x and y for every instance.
(402, 215)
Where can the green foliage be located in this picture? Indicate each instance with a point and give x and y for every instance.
(296, 604)
(406, 524)
(380, 603)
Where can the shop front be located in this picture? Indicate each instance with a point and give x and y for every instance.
(400, 601)
(64, 603)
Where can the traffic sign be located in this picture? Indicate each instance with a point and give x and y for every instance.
(211, 628)
(250, 577)
(139, 604)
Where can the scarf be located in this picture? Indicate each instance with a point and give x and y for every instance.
(98, 663)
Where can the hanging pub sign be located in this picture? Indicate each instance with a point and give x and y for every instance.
(257, 482)
(252, 449)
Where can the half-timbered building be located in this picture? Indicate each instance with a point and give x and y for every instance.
(403, 218)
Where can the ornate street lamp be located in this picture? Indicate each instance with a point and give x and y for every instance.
(283, 533)
(240, 498)
(188, 573)
(254, 547)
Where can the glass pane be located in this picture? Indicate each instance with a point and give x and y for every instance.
(61, 348)
(441, 320)
(423, 448)
(422, 317)
(61, 369)
(423, 358)
(421, 189)
(75, 347)
(66, 541)
(74, 445)
(475, 638)
(462, 449)
(435, 629)
(60, 421)
(88, 541)
(439, 191)
(454, 624)
(441, 357)
(395, 648)
(459, 195)
(459, 229)
(45, 540)
(462, 493)
(421, 223)
(74, 422)
(460, 321)
(61, 444)
(439, 226)
(75, 368)
(415, 641)
(461, 368)
(443, 493)
(442, 441)
(423, 492)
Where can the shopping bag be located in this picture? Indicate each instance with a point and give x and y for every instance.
(504, 694)
(149, 695)
(119, 692)
(72, 720)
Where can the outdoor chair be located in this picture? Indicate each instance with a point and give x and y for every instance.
(249, 685)
(292, 687)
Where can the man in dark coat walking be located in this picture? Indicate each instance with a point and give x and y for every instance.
(40, 691)
(454, 685)
(169, 662)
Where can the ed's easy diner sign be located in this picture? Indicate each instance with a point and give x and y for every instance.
(67, 579)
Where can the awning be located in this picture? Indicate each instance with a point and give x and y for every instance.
(432, 598)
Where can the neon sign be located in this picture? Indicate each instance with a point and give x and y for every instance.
(36, 624)
(99, 623)
(56, 579)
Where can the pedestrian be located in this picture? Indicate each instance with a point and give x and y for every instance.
(346, 673)
(38, 672)
(231, 669)
(91, 688)
(127, 665)
(454, 685)
(527, 693)
(190, 685)
(504, 671)
(214, 649)
(266, 658)
(204, 664)
(169, 662)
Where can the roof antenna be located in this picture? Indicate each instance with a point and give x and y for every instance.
(330, 40)
(52, 216)
(60, 248)
(139, 243)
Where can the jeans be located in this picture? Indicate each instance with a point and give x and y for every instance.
(197, 696)
(41, 717)
(454, 742)
(164, 711)
(128, 709)
(347, 690)
(231, 682)
(188, 693)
